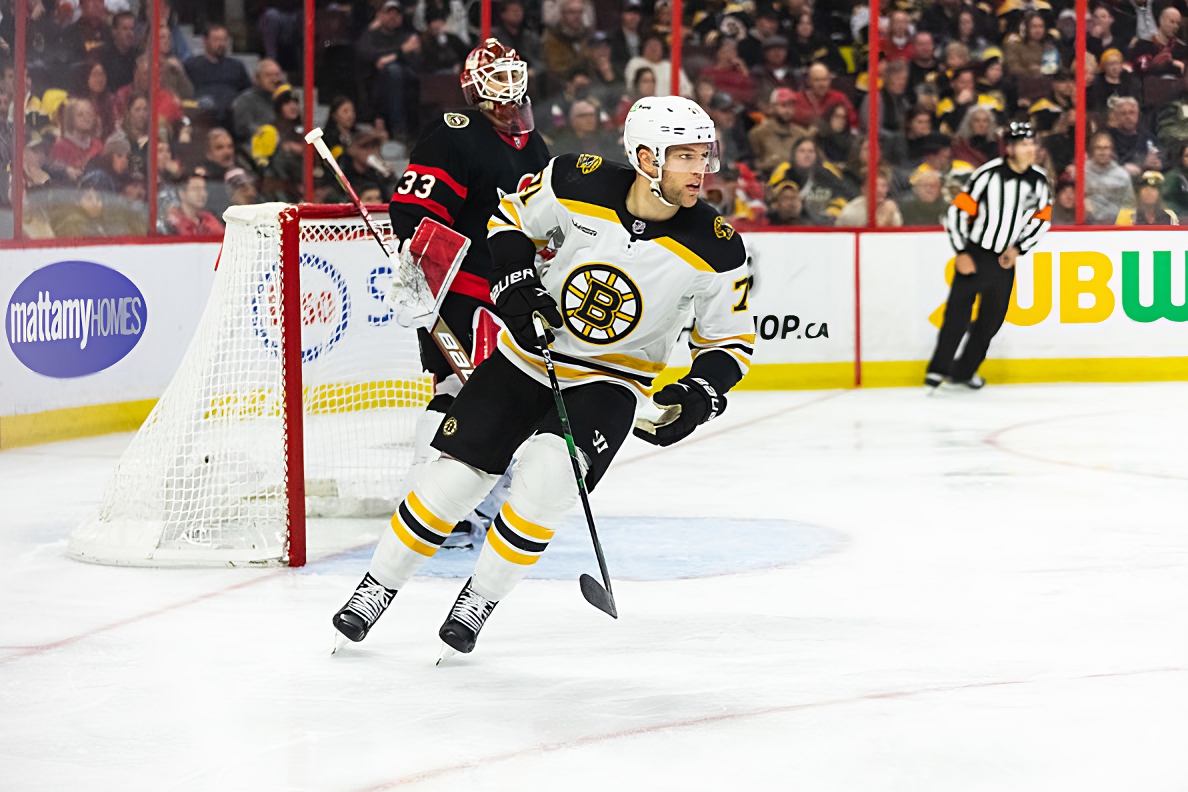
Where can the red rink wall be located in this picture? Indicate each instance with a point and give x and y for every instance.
(833, 309)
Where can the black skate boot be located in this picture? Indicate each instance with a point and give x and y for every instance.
(363, 609)
(466, 618)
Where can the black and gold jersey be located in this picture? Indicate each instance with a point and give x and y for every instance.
(626, 286)
(456, 174)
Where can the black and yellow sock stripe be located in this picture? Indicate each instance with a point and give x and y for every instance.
(418, 527)
(517, 540)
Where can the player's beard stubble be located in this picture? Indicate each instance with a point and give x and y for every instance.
(681, 189)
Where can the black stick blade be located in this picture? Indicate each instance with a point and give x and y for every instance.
(597, 596)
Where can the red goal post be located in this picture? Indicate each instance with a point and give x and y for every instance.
(269, 419)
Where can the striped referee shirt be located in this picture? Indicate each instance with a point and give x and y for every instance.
(1000, 209)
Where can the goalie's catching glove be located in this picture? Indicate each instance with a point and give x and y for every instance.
(691, 401)
(518, 295)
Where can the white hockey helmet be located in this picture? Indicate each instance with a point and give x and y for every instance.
(658, 122)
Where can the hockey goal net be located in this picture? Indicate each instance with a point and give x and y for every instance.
(298, 395)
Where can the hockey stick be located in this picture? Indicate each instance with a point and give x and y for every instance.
(455, 354)
(600, 597)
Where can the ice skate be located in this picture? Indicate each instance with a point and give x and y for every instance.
(362, 611)
(466, 619)
(932, 381)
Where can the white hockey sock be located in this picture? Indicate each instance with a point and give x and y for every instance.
(423, 453)
(445, 492)
(542, 492)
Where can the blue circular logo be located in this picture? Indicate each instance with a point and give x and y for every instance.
(325, 307)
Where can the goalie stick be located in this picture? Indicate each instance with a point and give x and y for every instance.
(443, 336)
(600, 597)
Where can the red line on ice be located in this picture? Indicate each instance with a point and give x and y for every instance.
(581, 742)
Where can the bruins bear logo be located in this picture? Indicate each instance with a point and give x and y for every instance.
(588, 163)
(722, 229)
(456, 120)
(600, 304)
(449, 427)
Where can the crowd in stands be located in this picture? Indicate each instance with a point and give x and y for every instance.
(784, 80)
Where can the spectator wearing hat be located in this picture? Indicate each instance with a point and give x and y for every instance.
(606, 85)
(729, 73)
(992, 80)
(1056, 112)
(1175, 186)
(189, 217)
(736, 146)
(773, 71)
(786, 206)
(361, 163)
(772, 139)
(217, 79)
(1149, 209)
(627, 38)
(1112, 80)
(1108, 186)
(818, 96)
(513, 32)
(241, 188)
(806, 46)
(563, 46)
(897, 44)
(927, 205)
(1163, 53)
(254, 107)
(1064, 202)
(767, 26)
(389, 60)
(441, 51)
(1014, 15)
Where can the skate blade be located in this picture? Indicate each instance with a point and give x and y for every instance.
(447, 652)
(340, 641)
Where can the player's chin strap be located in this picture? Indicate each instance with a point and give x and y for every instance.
(653, 183)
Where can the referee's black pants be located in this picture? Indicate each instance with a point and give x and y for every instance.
(994, 284)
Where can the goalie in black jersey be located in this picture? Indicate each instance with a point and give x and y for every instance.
(457, 174)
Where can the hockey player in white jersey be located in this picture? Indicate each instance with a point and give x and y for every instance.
(635, 256)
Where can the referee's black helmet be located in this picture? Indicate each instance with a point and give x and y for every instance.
(1018, 130)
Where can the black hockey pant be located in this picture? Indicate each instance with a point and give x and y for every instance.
(994, 284)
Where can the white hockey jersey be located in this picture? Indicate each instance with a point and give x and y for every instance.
(626, 287)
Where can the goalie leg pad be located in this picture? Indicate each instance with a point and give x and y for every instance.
(542, 492)
(445, 492)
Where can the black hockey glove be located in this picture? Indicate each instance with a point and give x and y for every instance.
(691, 401)
(519, 295)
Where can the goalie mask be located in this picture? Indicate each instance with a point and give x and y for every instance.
(495, 80)
(658, 123)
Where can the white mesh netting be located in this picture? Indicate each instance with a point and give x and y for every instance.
(204, 480)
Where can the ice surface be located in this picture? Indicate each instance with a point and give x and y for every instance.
(976, 591)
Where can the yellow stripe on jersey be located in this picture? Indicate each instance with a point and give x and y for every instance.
(506, 551)
(567, 372)
(679, 250)
(589, 209)
(529, 529)
(638, 365)
(410, 540)
(700, 340)
(510, 208)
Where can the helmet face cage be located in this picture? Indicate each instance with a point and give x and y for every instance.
(495, 81)
(503, 80)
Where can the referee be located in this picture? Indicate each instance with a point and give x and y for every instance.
(1004, 212)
